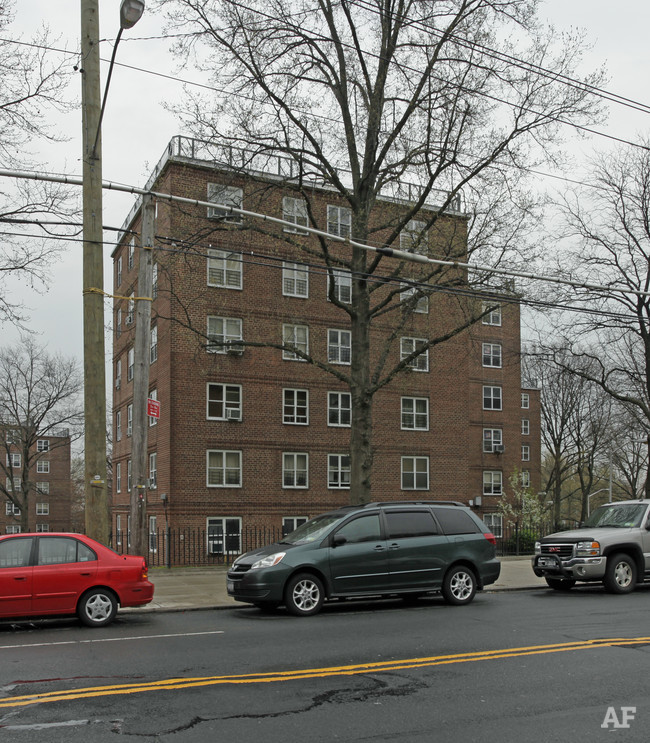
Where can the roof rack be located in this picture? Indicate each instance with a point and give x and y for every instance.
(413, 503)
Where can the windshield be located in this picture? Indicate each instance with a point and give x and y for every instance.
(630, 515)
(312, 530)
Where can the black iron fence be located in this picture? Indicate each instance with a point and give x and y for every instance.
(194, 547)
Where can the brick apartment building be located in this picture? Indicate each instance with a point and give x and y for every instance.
(250, 435)
(49, 504)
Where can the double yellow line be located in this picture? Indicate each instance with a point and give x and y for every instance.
(174, 684)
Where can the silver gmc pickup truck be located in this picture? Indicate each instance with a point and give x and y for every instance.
(612, 546)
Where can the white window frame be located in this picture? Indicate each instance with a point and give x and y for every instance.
(338, 471)
(118, 425)
(129, 479)
(153, 470)
(223, 334)
(223, 468)
(12, 529)
(11, 509)
(227, 196)
(42, 445)
(412, 418)
(492, 355)
(525, 400)
(491, 400)
(338, 405)
(339, 220)
(290, 335)
(494, 522)
(412, 469)
(231, 399)
(407, 346)
(43, 466)
(525, 453)
(525, 479)
(295, 280)
(295, 470)
(153, 534)
(43, 487)
(153, 344)
(42, 509)
(214, 539)
(118, 271)
(14, 460)
(414, 238)
(421, 305)
(492, 482)
(339, 346)
(130, 253)
(525, 427)
(493, 317)
(341, 282)
(129, 419)
(290, 403)
(492, 437)
(118, 477)
(118, 374)
(130, 364)
(225, 269)
(294, 210)
(291, 523)
(130, 309)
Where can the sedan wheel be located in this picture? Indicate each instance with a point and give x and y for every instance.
(303, 595)
(97, 607)
(459, 585)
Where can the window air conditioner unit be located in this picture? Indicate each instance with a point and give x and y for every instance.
(498, 448)
(235, 349)
(233, 414)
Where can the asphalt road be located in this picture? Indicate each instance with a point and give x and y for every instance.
(522, 666)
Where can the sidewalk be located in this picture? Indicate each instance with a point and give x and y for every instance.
(184, 589)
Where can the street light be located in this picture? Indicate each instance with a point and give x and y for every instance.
(591, 495)
(96, 506)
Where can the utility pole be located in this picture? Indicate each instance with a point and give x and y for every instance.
(96, 505)
(141, 359)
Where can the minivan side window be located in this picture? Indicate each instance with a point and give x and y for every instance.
(455, 521)
(410, 524)
(363, 529)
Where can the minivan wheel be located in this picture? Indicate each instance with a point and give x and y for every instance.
(303, 595)
(620, 574)
(97, 607)
(459, 585)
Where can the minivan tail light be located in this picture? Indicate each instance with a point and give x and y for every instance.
(491, 538)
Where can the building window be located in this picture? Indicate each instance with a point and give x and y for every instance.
(118, 272)
(414, 237)
(339, 220)
(153, 470)
(129, 419)
(130, 364)
(295, 470)
(152, 419)
(493, 314)
(42, 509)
(494, 522)
(227, 196)
(338, 471)
(129, 477)
(492, 440)
(492, 482)
(12, 529)
(43, 487)
(295, 280)
(295, 336)
(295, 210)
(492, 355)
(118, 374)
(411, 345)
(223, 469)
(415, 473)
(525, 400)
(118, 478)
(291, 523)
(492, 399)
(225, 269)
(11, 509)
(295, 407)
(224, 535)
(118, 322)
(130, 309)
(339, 346)
(43, 466)
(525, 479)
(525, 427)
(340, 283)
(154, 281)
(421, 304)
(118, 528)
(415, 413)
(224, 401)
(525, 453)
(42, 445)
(153, 344)
(42, 528)
(339, 409)
(223, 334)
(153, 534)
(118, 425)
(14, 460)
(130, 253)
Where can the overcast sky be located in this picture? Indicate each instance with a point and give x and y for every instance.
(136, 128)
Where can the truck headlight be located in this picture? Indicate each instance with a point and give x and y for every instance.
(538, 548)
(588, 549)
(269, 561)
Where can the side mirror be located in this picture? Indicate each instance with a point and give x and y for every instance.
(338, 540)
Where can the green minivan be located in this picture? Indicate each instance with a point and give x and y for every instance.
(406, 548)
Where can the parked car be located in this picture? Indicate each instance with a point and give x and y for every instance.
(56, 574)
(406, 548)
(612, 546)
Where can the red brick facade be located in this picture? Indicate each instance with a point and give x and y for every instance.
(272, 426)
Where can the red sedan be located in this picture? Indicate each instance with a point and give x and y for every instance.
(57, 574)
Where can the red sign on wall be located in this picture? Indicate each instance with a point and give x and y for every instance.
(153, 408)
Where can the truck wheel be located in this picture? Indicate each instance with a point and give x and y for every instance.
(620, 575)
(303, 595)
(559, 584)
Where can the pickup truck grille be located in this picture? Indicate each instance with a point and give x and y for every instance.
(563, 551)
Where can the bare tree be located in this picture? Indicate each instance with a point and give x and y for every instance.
(39, 397)
(32, 85)
(409, 101)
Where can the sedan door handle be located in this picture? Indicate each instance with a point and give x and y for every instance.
(21, 577)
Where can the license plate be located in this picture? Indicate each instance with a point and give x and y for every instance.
(546, 562)
(230, 586)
